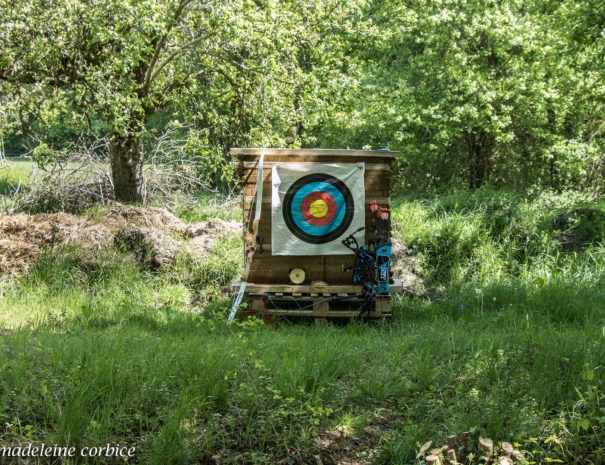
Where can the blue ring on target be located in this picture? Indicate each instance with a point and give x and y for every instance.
(324, 183)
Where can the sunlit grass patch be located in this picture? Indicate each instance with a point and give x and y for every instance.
(14, 172)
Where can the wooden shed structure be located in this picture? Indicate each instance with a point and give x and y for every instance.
(295, 262)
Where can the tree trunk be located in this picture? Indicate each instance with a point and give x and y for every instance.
(480, 148)
(126, 157)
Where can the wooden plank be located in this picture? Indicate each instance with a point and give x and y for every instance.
(382, 305)
(299, 288)
(249, 171)
(311, 159)
(267, 247)
(269, 269)
(239, 152)
(369, 177)
(266, 218)
(335, 262)
(375, 187)
(264, 229)
(379, 191)
(272, 276)
(250, 199)
(329, 314)
(304, 300)
(260, 288)
(268, 166)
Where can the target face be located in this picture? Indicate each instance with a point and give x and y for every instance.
(318, 208)
(315, 206)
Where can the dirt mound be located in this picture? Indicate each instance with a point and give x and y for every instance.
(214, 227)
(207, 234)
(24, 237)
(153, 230)
(153, 248)
(404, 267)
(120, 215)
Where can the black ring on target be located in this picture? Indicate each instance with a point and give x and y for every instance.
(340, 223)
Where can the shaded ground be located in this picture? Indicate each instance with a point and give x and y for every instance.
(343, 446)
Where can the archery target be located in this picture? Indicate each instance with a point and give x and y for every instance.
(318, 204)
(318, 208)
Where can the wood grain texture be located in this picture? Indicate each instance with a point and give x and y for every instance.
(334, 269)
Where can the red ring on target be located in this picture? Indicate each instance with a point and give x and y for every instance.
(308, 208)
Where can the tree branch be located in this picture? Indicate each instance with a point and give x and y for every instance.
(171, 57)
(151, 74)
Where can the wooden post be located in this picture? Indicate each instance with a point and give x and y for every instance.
(506, 449)
(463, 449)
(465, 437)
(486, 446)
(452, 441)
(434, 460)
(320, 311)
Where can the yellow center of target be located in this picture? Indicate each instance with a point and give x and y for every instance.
(318, 208)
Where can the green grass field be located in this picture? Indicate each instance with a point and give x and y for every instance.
(14, 171)
(509, 342)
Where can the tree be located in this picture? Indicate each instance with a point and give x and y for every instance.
(470, 91)
(231, 66)
(475, 81)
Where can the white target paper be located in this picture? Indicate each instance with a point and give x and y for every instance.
(315, 206)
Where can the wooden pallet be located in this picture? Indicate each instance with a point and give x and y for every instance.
(317, 302)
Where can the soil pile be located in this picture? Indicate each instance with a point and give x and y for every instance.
(23, 237)
(206, 235)
(153, 235)
(404, 266)
(154, 231)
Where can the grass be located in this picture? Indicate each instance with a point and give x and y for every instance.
(206, 206)
(14, 172)
(510, 342)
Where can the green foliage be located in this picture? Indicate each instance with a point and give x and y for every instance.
(509, 344)
(474, 92)
(490, 239)
(471, 92)
(206, 206)
(588, 415)
(239, 73)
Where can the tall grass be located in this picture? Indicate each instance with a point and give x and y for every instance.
(14, 172)
(510, 342)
